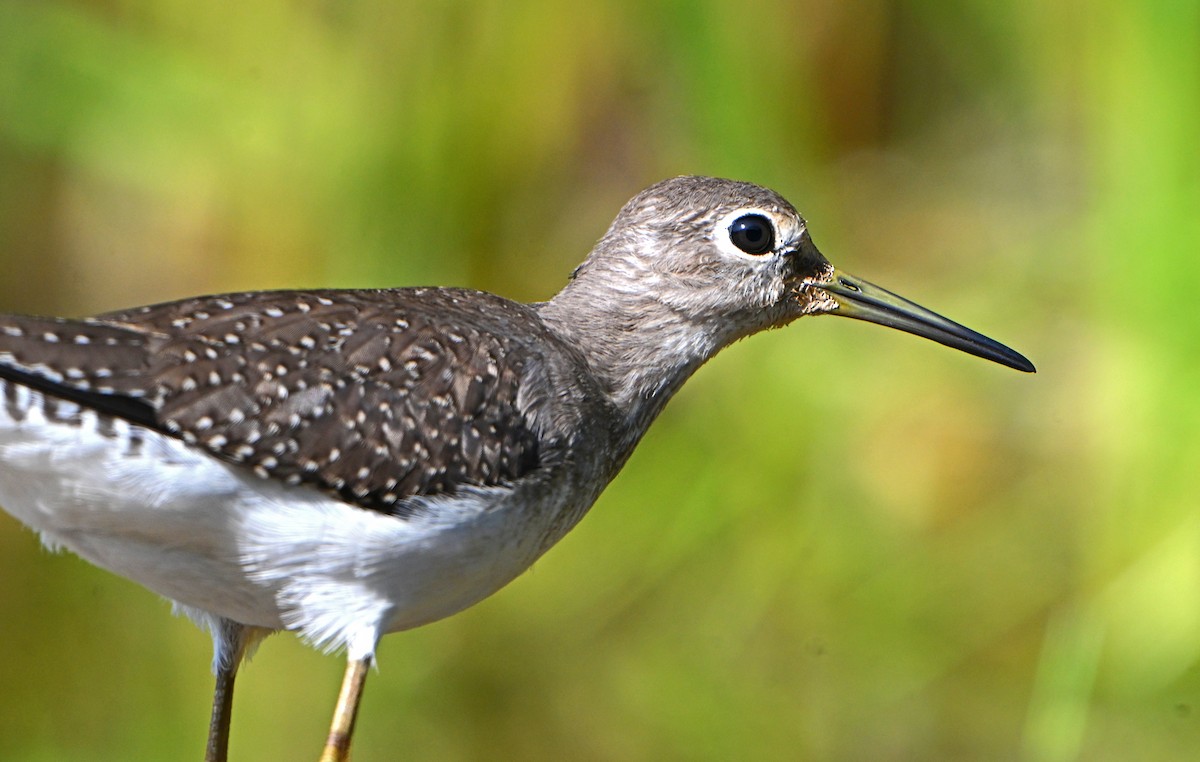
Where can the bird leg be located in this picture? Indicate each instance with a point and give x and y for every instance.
(231, 642)
(222, 712)
(337, 745)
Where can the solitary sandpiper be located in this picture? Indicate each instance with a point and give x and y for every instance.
(345, 464)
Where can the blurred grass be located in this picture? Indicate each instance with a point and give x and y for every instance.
(838, 543)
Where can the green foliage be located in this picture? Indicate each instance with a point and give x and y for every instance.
(839, 542)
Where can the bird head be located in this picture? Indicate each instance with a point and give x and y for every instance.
(734, 258)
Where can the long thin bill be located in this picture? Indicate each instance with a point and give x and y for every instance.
(859, 299)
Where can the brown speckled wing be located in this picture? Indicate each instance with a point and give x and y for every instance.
(375, 396)
(98, 366)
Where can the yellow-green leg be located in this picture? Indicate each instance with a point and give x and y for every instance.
(337, 746)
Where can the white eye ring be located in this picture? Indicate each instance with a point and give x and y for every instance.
(748, 234)
(753, 234)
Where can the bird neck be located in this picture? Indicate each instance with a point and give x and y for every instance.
(639, 348)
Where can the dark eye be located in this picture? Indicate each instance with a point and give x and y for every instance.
(752, 234)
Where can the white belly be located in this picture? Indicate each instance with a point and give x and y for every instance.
(203, 533)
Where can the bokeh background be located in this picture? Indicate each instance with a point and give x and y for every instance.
(839, 542)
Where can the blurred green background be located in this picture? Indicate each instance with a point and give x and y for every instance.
(839, 542)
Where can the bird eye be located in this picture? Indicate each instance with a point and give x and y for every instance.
(753, 234)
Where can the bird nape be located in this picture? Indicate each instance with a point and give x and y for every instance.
(345, 464)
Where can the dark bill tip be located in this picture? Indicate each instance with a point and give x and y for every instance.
(861, 300)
